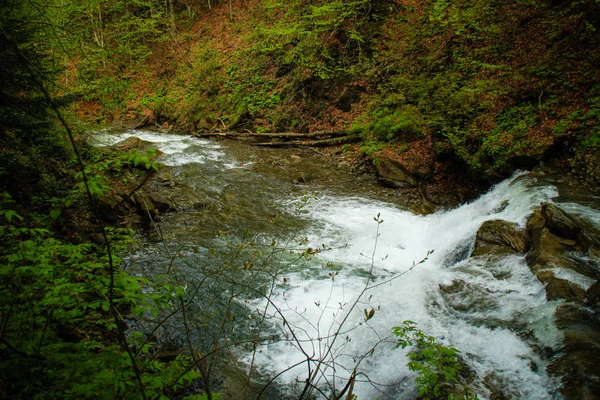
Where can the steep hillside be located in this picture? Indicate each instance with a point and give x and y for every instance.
(493, 85)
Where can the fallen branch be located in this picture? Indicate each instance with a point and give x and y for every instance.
(315, 143)
(281, 135)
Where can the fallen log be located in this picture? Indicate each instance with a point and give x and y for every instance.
(311, 143)
(281, 135)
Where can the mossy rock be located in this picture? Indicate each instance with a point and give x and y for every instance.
(392, 173)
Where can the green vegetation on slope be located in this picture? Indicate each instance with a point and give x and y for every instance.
(494, 85)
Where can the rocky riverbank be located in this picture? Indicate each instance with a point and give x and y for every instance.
(562, 249)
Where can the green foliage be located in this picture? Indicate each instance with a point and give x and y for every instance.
(59, 337)
(321, 40)
(250, 90)
(370, 147)
(438, 367)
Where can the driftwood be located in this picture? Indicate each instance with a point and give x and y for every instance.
(282, 135)
(315, 143)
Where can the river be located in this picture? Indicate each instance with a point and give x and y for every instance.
(329, 249)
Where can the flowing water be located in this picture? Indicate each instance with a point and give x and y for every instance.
(493, 309)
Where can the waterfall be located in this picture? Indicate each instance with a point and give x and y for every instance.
(498, 320)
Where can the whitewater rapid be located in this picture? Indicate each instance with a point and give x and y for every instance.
(492, 309)
(497, 324)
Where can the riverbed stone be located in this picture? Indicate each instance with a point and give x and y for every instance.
(500, 237)
(558, 288)
(577, 362)
(547, 251)
(392, 173)
(133, 221)
(132, 122)
(159, 202)
(570, 226)
(132, 143)
(592, 296)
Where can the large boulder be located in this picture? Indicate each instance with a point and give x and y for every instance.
(570, 226)
(556, 237)
(577, 363)
(392, 173)
(132, 122)
(500, 237)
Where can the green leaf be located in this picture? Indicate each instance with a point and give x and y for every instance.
(54, 214)
(10, 214)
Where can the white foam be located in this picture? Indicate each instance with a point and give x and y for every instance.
(487, 336)
(178, 149)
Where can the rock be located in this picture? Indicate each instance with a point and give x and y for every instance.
(108, 205)
(547, 251)
(160, 203)
(559, 222)
(500, 237)
(558, 288)
(592, 296)
(143, 203)
(134, 221)
(202, 204)
(424, 207)
(570, 227)
(551, 251)
(304, 178)
(392, 173)
(135, 122)
(132, 143)
(577, 363)
(424, 173)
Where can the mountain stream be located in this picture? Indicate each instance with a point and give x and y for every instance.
(362, 255)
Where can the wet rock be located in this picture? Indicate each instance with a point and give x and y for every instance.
(569, 226)
(500, 237)
(160, 203)
(132, 143)
(304, 178)
(202, 204)
(592, 296)
(577, 363)
(144, 203)
(558, 288)
(424, 207)
(559, 222)
(134, 122)
(547, 251)
(133, 221)
(392, 173)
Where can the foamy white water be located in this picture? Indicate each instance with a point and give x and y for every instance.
(178, 149)
(497, 319)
